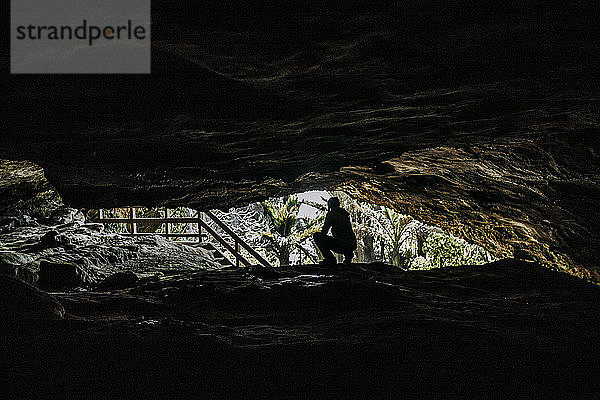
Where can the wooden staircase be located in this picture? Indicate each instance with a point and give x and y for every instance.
(217, 254)
(204, 230)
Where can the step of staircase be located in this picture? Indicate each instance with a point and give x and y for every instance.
(218, 256)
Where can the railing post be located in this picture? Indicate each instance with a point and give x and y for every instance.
(167, 230)
(199, 226)
(132, 217)
(237, 253)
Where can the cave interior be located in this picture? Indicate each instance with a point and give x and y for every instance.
(480, 119)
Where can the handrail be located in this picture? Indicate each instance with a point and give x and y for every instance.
(182, 235)
(238, 240)
(234, 250)
(214, 234)
(189, 220)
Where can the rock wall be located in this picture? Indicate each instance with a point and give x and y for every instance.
(57, 249)
(525, 199)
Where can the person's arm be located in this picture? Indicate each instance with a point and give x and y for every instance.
(326, 224)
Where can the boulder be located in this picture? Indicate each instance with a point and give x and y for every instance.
(28, 273)
(120, 280)
(66, 215)
(62, 275)
(8, 223)
(11, 260)
(93, 226)
(20, 300)
(54, 239)
(20, 265)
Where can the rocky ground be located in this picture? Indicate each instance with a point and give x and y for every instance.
(50, 245)
(62, 251)
(502, 330)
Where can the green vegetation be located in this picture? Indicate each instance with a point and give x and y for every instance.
(445, 250)
(385, 235)
(286, 231)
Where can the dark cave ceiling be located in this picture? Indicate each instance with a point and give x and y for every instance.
(481, 118)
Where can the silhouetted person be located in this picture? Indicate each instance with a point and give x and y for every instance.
(343, 240)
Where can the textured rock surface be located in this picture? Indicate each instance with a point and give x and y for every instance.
(120, 280)
(76, 255)
(479, 117)
(12, 259)
(19, 265)
(20, 300)
(58, 250)
(62, 275)
(509, 329)
(530, 199)
(24, 192)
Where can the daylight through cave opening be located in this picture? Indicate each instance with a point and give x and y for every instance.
(278, 232)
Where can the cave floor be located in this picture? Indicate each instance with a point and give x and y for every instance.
(366, 331)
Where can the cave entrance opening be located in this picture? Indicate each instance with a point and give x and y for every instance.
(278, 232)
(282, 229)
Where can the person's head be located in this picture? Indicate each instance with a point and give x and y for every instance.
(333, 202)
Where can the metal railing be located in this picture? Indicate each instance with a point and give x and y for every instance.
(133, 220)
